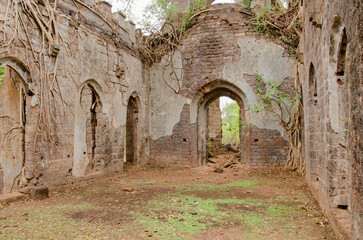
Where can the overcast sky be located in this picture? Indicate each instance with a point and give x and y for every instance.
(139, 6)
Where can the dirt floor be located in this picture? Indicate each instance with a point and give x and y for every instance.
(225, 202)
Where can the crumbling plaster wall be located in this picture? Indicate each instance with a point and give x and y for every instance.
(333, 117)
(95, 54)
(218, 47)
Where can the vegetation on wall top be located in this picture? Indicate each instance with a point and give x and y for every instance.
(2, 75)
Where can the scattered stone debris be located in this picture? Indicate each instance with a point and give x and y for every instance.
(212, 160)
(218, 170)
(231, 148)
(128, 189)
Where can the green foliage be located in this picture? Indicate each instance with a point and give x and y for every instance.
(196, 6)
(2, 75)
(246, 2)
(279, 23)
(230, 123)
(158, 12)
(270, 93)
(219, 187)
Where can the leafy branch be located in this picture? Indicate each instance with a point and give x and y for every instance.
(2, 75)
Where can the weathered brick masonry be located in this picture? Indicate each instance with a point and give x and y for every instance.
(210, 48)
(332, 83)
(214, 125)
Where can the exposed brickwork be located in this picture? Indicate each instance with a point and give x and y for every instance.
(332, 92)
(210, 44)
(267, 148)
(175, 149)
(214, 124)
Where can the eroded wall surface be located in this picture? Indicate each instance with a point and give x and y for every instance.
(83, 133)
(214, 125)
(332, 85)
(219, 47)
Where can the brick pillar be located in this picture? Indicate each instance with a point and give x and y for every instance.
(214, 124)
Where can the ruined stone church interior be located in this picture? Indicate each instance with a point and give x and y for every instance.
(86, 96)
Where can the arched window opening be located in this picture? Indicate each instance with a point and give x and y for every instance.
(342, 57)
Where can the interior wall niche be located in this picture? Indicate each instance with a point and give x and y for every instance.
(342, 56)
(313, 88)
(12, 130)
(313, 124)
(214, 132)
(132, 122)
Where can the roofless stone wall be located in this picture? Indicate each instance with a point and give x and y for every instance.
(220, 56)
(98, 69)
(102, 95)
(332, 83)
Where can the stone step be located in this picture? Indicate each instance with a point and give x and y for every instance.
(12, 197)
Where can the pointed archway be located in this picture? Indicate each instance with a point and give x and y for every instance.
(210, 93)
(12, 128)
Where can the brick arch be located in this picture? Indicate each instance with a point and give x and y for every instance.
(205, 96)
(91, 143)
(96, 86)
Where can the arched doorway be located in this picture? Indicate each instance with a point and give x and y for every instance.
(132, 122)
(96, 129)
(212, 92)
(12, 128)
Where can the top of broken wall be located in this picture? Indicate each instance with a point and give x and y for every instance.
(98, 16)
(184, 4)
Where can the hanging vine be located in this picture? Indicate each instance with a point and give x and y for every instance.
(286, 106)
(24, 21)
(279, 23)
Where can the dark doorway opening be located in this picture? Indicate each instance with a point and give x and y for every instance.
(131, 131)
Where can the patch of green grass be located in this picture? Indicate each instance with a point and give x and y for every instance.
(209, 187)
(249, 183)
(188, 215)
(279, 210)
(53, 223)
